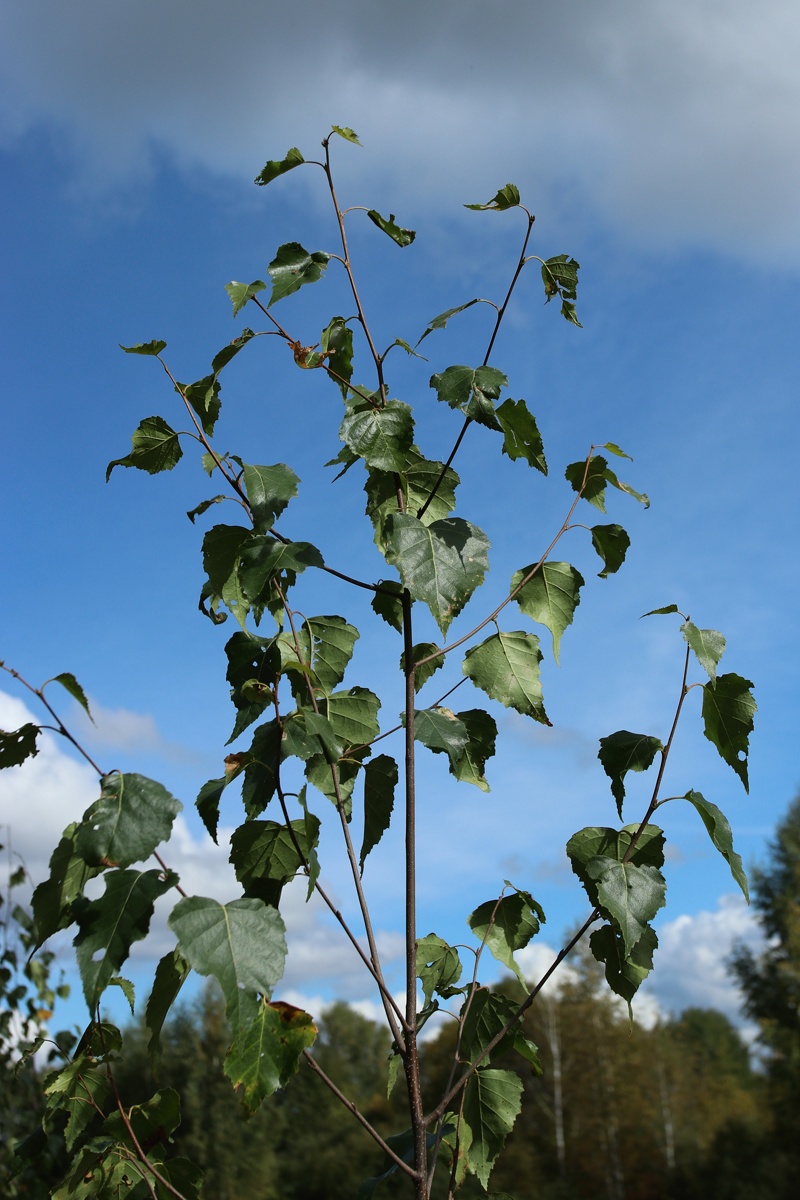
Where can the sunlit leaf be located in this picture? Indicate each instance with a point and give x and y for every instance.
(506, 667)
(728, 710)
(156, 447)
(266, 1053)
(708, 646)
(521, 437)
(403, 237)
(292, 267)
(441, 564)
(276, 167)
(549, 597)
(132, 817)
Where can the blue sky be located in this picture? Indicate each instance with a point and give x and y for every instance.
(658, 145)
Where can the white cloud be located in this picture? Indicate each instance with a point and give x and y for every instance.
(690, 961)
(677, 120)
(122, 729)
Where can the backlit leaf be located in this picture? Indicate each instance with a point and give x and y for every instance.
(403, 237)
(492, 1103)
(52, 899)
(507, 925)
(550, 597)
(506, 667)
(131, 818)
(276, 167)
(109, 925)
(438, 966)
(471, 390)
(155, 447)
(171, 974)
(18, 744)
(266, 1053)
(344, 131)
(631, 895)
(708, 646)
(240, 293)
(292, 267)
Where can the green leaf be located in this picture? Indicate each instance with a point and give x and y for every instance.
(156, 447)
(269, 490)
(708, 646)
(319, 772)
(472, 391)
(591, 482)
(442, 319)
(153, 348)
(601, 842)
(229, 351)
(79, 1089)
(492, 1103)
(488, 1013)
(171, 974)
(611, 542)
(265, 559)
(507, 925)
(403, 237)
(622, 752)
(560, 278)
(266, 855)
(222, 547)
(661, 612)
(109, 925)
(613, 448)
(204, 506)
(276, 167)
(438, 966)
(549, 597)
(441, 731)
(441, 564)
(71, 685)
(388, 603)
(403, 344)
(631, 895)
(719, 831)
(19, 744)
(507, 197)
(353, 715)
(521, 437)
(266, 1053)
(482, 735)
(52, 899)
(240, 293)
(344, 131)
(380, 780)
(127, 988)
(203, 396)
(506, 667)
(624, 971)
(728, 710)
(420, 651)
(381, 436)
(337, 343)
(260, 775)
(417, 480)
(131, 818)
(292, 267)
(242, 944)
(332, 640)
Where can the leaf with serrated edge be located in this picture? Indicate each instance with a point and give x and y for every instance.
(468, 767)
(381, 436)
(52, 899)
(661, 612)
(109, 925)
(242, 944)
(17, 745)
(630, 895)
(266, 1053)
(276, 167)
(240, 293)
(622, 752)
(333, 640)
(708, 646)
(153, 348)
(492, 1103)
(521, 437)
(441, 564)
(344, 131)
(506, 667)
(292, 267)
(131, 818)
(441, 731)
(402, 237)
(71, 685)
(594, 841)
(719, 831)
(624, 974)
(728, 710)
(155, 447)
(438, 966)
(550, 597)
(269, 490)
(423, 673)
(380, 780)
(507, 925)
(442, 319)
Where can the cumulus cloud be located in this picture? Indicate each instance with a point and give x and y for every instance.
(677, 121)
(122, 729)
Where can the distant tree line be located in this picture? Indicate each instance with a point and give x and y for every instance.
(677, 1112)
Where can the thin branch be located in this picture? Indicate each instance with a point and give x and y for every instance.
(351, 1107)
(61, 727)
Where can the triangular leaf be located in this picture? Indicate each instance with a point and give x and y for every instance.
(441, 564)
(52, 899)
(380, 780)
(708, 646)
(468, 766)
(153, 348)
(423, 673)
(381, 436)
(292, 267)
(521, 437)
(492, 1103)
(18, 744)
(71, 685)
(471, 390)
(438, 966)
(630, 895)
(441, 731)
(131, 818)
(276, 167)
(171, 974)
(550, 597)
(155, 447)
(240, 293)
(506, 667)
(611, 542)
(719, 831)
(507, 925)
(624, 971)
